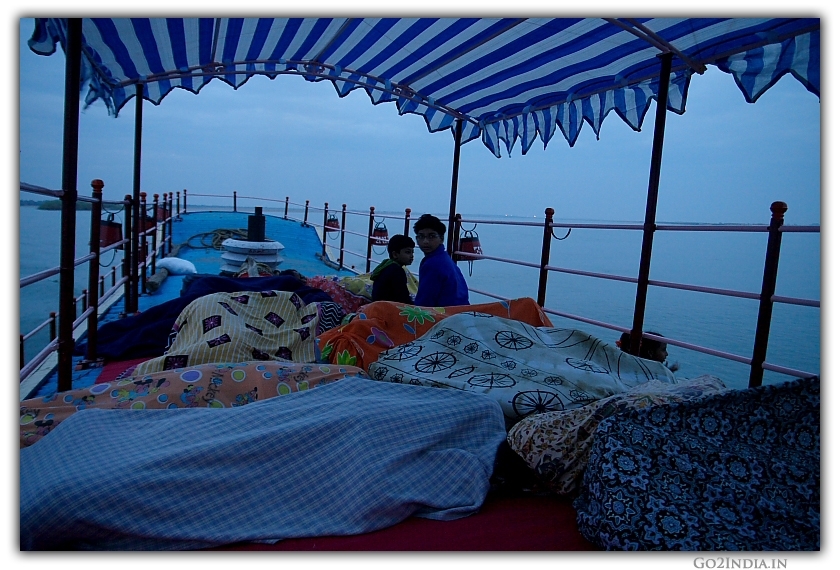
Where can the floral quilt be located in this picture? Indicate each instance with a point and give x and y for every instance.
(205, 386)
(556, 445)
(738, 470)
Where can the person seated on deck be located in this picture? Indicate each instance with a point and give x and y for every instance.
(441, 282)
(651, 349)
(390, 282)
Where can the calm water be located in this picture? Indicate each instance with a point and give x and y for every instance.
(724, 260)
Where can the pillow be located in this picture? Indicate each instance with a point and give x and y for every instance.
(176, 266)
(556, 445)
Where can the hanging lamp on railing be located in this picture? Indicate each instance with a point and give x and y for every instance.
(110, 232)
(469, 243)
(379, 235)
(332, 224)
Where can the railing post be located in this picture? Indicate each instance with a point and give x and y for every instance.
(22, 355)
(286, 211)
(341, 244)
(306, 213)
(101, 286)
(768, 289)
(548, 232)
(170, 220)
(407, 221)
(185, 200)
(154, 234)
(128, 267)
(84, 300)
(144, 253)
(93, 268)
(163, 228)
(326, 207)
(234, 200)
(178, 204)
(52, 325)
(369, 241)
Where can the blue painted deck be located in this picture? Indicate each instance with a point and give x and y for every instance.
(301, 244)
(301, 251)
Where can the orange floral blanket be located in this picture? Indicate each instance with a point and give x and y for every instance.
(205, 386)
(382, 325)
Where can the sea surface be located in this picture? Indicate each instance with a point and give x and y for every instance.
(726, 260)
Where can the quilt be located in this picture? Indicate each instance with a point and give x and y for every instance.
(350, 457)
(738, 470)
(204, 386)
(146, 334)
(527, 369)
(556, 445)
(244, 325)
(334, 287)
(382, 325)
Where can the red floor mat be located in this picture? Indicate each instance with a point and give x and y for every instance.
(503, 524)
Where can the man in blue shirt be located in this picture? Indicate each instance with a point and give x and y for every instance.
(441, 282)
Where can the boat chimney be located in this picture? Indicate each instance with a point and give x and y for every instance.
(256, 225)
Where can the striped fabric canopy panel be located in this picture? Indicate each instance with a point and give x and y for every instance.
(507, 79)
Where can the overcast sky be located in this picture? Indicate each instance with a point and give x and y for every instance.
(724, 159)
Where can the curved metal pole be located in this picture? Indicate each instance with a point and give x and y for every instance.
(453, 196)
(652, 197)
(69, 172)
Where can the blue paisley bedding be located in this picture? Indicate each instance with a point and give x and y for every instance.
(738, 470)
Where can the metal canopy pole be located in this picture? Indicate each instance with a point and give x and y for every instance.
(135, 231)
(453, 196)
(69, 171)
(652, 196)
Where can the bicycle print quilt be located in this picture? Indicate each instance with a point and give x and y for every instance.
(527, 369)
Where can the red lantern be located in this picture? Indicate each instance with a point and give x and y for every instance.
(110, 232)
(150, 223)
(469, 243)
(332, 224)
(380, 234)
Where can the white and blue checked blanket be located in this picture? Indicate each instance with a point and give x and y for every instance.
(351, 457)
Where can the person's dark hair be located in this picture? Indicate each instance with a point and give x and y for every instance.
(293, 273)
(430, 222)
(649, 346)
(398, 242)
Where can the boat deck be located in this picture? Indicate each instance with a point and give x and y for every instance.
(302, 249)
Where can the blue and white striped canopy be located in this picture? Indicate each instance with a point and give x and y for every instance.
(507, 79)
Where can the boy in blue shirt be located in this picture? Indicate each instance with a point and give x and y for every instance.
(441, 282)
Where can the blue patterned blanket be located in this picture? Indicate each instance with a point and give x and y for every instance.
(738, 470)
(350, 457)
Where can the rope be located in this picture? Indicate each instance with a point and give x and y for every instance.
(215, 238)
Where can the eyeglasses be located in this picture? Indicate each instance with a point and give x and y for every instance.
(427, 237)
